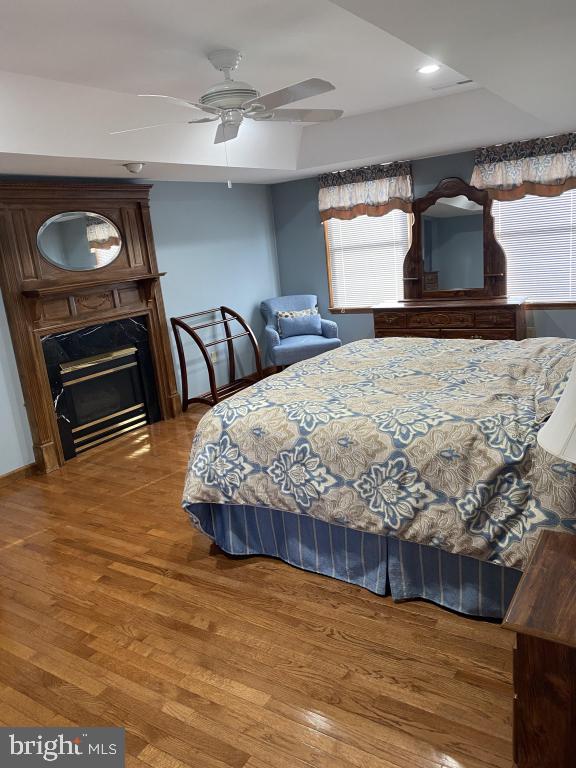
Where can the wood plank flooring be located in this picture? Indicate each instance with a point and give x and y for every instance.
(114, 611)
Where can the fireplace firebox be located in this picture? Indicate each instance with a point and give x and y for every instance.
(103, 397)
(102, 382)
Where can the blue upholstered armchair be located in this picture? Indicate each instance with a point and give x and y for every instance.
(285, 351)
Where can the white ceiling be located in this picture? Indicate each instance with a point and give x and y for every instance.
(71, 69)
(521, 50)
(146, 46)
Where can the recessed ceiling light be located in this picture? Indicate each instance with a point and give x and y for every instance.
(429, 69)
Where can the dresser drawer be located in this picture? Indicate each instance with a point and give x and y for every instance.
(479, 333)
(495, 318)
(450, 319)
(386, 320)
(403, 332)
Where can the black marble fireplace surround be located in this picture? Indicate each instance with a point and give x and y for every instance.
(109, 396)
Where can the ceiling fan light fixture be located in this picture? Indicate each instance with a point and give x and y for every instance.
(229, 94)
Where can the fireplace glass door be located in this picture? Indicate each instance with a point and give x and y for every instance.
(103, 399)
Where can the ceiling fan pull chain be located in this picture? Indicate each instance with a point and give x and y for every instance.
(229, 182)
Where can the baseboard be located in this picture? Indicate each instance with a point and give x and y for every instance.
(18, 474)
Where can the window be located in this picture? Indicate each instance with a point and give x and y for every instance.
(365, 258)
(538, 235)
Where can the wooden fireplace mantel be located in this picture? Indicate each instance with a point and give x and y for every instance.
(37, 289)
(42, 299)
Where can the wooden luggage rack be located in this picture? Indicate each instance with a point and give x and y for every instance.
(216, 393)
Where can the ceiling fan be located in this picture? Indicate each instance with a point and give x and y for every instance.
(230, 101)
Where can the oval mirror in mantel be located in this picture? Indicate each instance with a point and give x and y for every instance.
(79, 241)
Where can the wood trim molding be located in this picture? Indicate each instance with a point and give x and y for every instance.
(350, 310)
(46, 191)
(569, 304)
(56, 288)
(328, 264)
(41, 299)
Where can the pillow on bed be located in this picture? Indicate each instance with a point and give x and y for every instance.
(301, 325)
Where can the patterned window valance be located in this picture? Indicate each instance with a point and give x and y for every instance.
(371, 191)
(539, 167)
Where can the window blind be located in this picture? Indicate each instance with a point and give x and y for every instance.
(538, 235)
(366, 256)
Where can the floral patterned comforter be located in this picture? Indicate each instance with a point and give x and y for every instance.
(429, 440)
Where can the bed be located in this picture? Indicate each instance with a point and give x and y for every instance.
(407, 466)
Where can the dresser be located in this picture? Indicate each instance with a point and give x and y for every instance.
(543, 615)
(452, 319)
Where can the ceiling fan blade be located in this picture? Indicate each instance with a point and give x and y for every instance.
(204, 120)
(225, 132)
(312, 87)
(181, 102)
(300, 115)
(145, 127)
(160, 125)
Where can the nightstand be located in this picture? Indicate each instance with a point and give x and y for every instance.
(543, 615)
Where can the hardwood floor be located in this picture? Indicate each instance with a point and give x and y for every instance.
(114, 611)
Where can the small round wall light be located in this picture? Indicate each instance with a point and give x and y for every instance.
(134, 168)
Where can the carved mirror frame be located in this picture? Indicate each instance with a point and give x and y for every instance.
(494, 256)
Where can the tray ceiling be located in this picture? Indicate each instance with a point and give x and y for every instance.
(73, 75)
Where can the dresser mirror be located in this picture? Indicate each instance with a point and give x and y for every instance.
(453, 245)
(79, 241)
(454, 251)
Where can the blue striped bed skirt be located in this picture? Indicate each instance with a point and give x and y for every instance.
(381, 564)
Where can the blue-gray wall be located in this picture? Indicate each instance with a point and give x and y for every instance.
(216, 245)
(302, 255)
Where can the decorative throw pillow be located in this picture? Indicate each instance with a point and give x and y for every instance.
(293, 313)
(296, 312)
(302, 325)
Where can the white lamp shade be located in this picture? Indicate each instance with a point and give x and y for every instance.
(558, 435)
